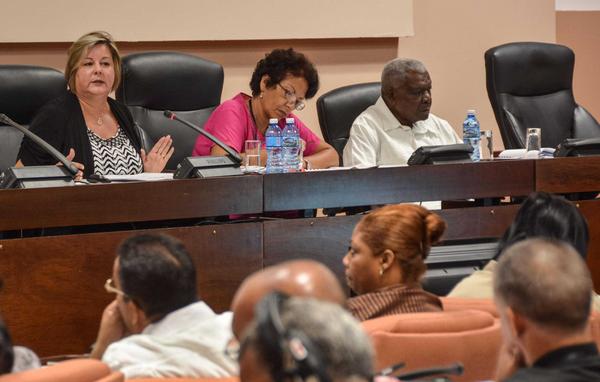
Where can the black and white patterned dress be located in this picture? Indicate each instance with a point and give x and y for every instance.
(115, 155)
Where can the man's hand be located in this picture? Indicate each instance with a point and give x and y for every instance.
(112, 329)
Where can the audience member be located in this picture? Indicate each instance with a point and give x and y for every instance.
(155, 327)
(386, 260)
(542, 292)
(400, 122)
(303, 339)
(306, 278)
(540, 215)
(281, 82)
(88, 126)
(7, 354)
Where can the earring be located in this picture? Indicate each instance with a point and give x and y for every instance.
(260, 95)
(381, 271)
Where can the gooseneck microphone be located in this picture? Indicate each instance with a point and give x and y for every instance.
(454, 369)
(42, 143)
(230, 152)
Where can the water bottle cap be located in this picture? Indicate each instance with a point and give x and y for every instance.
(290, 120)
(471, 111)
(273, 121)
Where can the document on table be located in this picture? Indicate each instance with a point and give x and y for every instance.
(143, 177)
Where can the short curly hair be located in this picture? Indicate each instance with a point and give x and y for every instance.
(280, 63)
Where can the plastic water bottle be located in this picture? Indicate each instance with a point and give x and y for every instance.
(291, 146)
(472, 134)
(273, 146)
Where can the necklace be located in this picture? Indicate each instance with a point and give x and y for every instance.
(90, 111)
(253, 119)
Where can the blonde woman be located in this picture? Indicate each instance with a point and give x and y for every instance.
(87, 126)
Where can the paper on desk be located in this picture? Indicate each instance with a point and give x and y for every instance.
(143, 177)
(545, 152)
(357, 167)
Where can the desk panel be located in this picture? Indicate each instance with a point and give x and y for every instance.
(129, 202)
(346, 188)
(567, 175)
(53, 294)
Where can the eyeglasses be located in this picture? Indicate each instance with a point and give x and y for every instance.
(292, 98)
(111, 288)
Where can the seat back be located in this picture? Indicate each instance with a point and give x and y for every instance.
(78, 370)
(530, 84)
(23, 91)
(422, 340)
(187, 85)
(338, 108)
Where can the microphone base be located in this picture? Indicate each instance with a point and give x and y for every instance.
(36, 177)
(207, 167)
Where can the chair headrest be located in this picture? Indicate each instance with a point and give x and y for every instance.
(430, 322)
(26, 88)
(530, 68)
(170, 81)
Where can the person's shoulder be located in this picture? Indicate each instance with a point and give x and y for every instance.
(437, 121)
(61, 103)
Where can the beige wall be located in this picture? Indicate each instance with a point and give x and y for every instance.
(581, 32)
(190, 20)
(450, 38)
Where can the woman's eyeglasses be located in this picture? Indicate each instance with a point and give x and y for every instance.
(292, 98)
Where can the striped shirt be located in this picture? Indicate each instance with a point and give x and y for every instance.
(393, 300)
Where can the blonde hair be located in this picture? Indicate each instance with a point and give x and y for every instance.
(407, 230)
(80, 47)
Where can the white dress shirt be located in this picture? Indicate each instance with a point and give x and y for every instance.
(377, 138)
(189, 342)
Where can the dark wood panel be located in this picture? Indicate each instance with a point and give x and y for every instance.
(591, 210)
(565, 175)
(129, 202)
(323, 239)
(345, 188)
(478, 222)
(53, 293)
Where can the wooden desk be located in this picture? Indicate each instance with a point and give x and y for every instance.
(53, 294)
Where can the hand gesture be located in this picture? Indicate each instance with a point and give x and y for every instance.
(157, 158)
(112, 329)
(78, 165)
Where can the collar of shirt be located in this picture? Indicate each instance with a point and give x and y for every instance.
(391, 123)
(567, 355)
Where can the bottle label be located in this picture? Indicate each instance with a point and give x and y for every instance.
(273, 141)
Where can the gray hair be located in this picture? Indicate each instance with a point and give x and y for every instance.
(344, 348)
(395, 72)
(547, 282)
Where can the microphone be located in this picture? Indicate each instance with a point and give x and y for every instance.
(455, 369)
(234, 156)
(42, 143)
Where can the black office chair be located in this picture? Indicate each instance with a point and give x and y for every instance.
(23, 91)
(187, 85)
(530, 84)
(338, 108)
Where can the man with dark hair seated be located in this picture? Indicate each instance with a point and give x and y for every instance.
(155, 327)
(542, 290)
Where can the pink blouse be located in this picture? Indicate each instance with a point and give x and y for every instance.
(232, 123)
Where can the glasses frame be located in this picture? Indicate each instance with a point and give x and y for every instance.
(108, 286)
(291, 97)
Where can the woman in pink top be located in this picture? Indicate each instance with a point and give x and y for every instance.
(281, 82)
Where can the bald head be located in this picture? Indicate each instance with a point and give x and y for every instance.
(295, 278)
(547, 282)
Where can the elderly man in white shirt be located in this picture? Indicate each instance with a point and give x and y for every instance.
(388, 132)
(156, 327)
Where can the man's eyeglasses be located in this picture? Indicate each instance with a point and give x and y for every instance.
(292, 98)
(111, 288)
